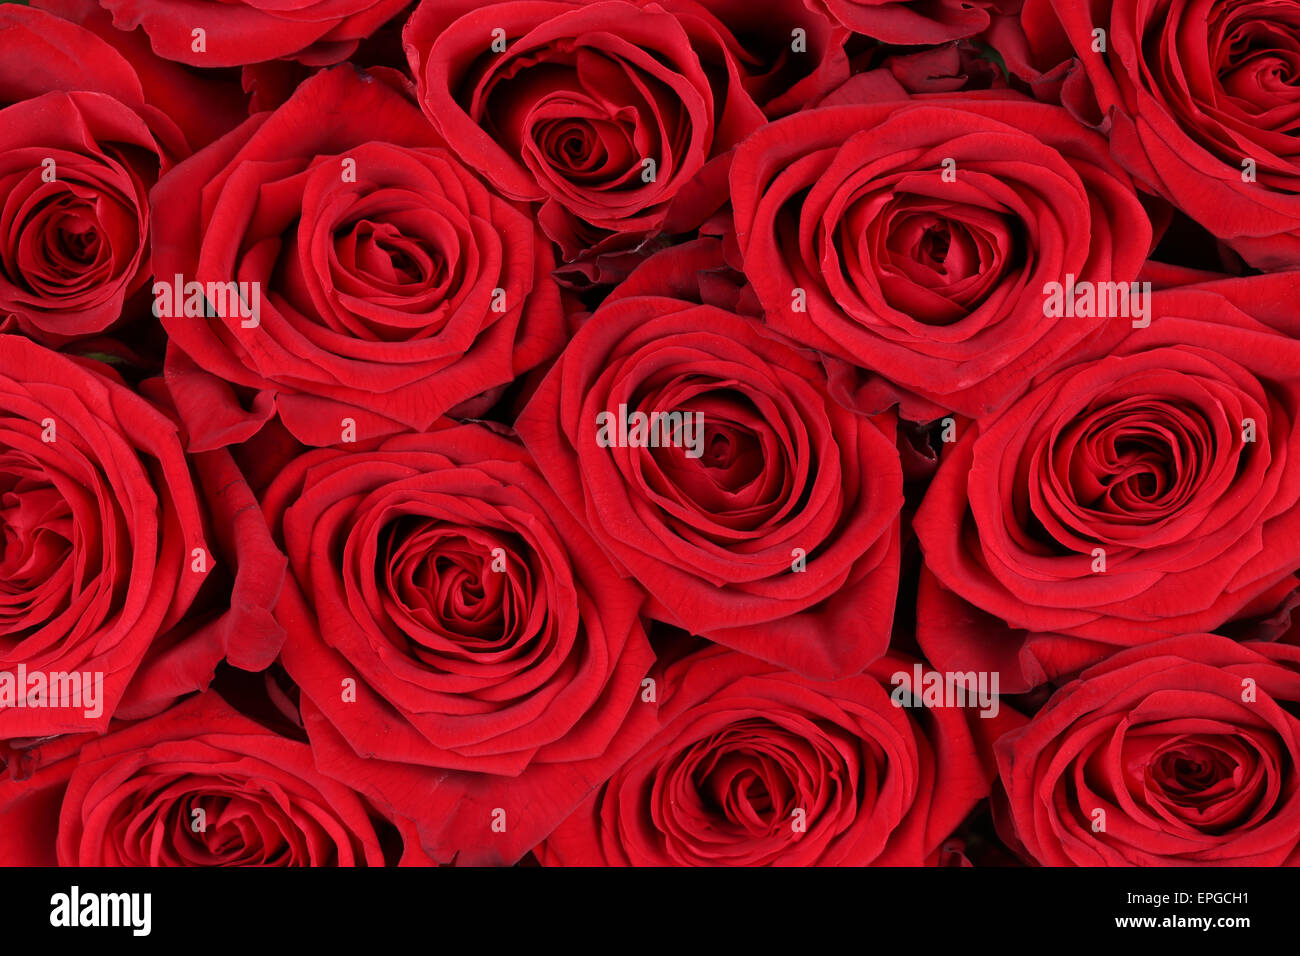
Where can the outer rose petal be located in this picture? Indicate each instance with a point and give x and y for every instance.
(250, 31)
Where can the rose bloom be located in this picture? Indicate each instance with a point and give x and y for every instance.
(858, 246)
(82, 140)
(120, 561)
(235, 32)
(1199, 101)
(1178, 753)
(744, 747)
(393, 284)
(615, 116)
(461, 644)
(777, 533)
(199, 785)
(1148, 489)
(99, 519)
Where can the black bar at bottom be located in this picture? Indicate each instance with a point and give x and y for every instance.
(618, 909)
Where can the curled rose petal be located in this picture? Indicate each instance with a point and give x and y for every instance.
(207, 33)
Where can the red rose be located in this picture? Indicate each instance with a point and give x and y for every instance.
(615, 116)
(235, 32)
(1199, 102)
(771, 526)
(461, 645)
(1149, 489)
(379, 282)
(916, 240)
(103, 549)
(82, 140)
(199, 785)
(755, 766)
(1179, 753)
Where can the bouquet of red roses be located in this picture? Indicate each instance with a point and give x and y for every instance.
(649, 433)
